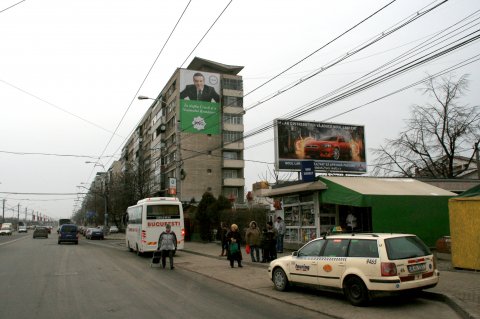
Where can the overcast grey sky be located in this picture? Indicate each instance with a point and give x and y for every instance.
(70, 72)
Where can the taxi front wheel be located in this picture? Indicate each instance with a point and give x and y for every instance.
(280, 279)
(356, 291)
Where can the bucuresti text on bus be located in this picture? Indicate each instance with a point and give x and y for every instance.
(149, 218)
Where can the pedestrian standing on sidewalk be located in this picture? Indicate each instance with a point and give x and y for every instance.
(167, 244)
(270, 243)
(223, 238)
(234, 240)
(252, 238)
(281, 229)
(263, 245)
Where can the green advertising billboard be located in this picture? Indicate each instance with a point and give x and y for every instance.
(199, 102)
(200, 117)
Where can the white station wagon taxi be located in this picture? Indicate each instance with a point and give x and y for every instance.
(360, 265)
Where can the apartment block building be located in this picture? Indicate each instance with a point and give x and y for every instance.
(190, 140)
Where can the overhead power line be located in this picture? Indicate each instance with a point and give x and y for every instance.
(205, 34)
(397, 26)
(21, 193)
(392, 29)
(356, 25)
(350, 53)
(13, 5)
(52, 154)
(59, 108)
(474, 36)
(297, 112)
(140, 87)
(447, 70)
(320, 48)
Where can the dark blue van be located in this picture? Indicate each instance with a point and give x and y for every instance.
(68, 233)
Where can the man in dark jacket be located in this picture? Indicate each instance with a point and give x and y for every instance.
(269, 243)
(167, 244)
(199, 91)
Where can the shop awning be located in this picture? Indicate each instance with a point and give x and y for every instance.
(297, 188)
(358, 191)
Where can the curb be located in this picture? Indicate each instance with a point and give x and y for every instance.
(250, 290)
(456, 304)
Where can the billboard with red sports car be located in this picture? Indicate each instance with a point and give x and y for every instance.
(332, 147)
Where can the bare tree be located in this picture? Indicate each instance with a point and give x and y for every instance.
(434, 136)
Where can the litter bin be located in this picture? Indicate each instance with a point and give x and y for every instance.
(444, 245)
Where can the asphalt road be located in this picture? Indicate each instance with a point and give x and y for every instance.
(98, 279)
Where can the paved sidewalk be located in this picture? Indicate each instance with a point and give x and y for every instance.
(459, 289)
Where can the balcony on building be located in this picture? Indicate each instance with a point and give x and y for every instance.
(231, 163)
(234, 182)
(233, 145)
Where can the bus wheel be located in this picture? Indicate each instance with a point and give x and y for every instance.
(138, 251)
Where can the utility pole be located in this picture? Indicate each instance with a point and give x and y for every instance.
(3, 212)
(478, 159)
(18, 215)
(25, 215)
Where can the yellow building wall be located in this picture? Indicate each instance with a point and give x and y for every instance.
(465, 232)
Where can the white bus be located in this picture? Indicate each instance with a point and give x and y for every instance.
(149, 218)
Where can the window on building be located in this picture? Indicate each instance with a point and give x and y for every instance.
(171, 89)
(231, 155)
(170, 158)
(230, 173)
(233, 101)
(171, 106)
(232, 84)
(229, 136)
(230, 191)
(232, 119)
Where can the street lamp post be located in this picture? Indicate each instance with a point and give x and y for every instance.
(162, 127)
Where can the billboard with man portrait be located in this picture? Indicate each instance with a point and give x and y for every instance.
(332, 147)
(200, 102)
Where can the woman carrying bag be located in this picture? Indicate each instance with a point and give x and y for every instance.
(233, 249)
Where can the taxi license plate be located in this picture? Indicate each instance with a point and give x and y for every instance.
(416, 268)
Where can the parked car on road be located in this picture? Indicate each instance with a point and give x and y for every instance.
(359, 265)
(68, 233)
(113, 229)
(93, 233)
(40, 231)
(6, 229)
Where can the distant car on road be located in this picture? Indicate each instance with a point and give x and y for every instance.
(40, 231)
(333, 147)
(113, 229)
(359, 265)
(68, 233)
(93, 233)
(6, 229)
(22, 229)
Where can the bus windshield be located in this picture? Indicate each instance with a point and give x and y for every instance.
(163, 212)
